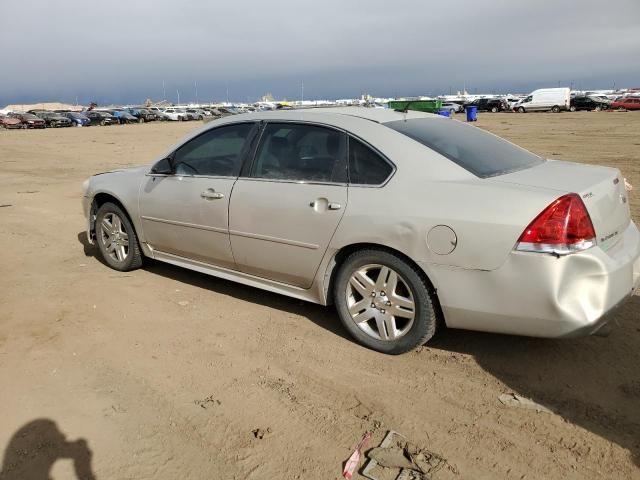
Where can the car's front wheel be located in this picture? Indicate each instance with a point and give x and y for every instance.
(117, 239)
(384, 302)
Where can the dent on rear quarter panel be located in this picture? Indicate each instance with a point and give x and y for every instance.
(487, 219)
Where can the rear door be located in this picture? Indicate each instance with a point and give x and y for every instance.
(185, 213)
(284, 213)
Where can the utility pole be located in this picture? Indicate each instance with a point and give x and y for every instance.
(195, 84)
(164, 92)
(178, 92)
(302, 89)
(227, 92)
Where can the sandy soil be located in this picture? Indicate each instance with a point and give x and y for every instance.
(169, 374)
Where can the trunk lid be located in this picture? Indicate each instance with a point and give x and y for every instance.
(602, 190)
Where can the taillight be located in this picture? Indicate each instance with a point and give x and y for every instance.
(563, 227)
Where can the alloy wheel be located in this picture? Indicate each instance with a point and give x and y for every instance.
(380, 302)
(114, 238)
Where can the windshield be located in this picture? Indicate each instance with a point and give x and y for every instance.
(479, 152)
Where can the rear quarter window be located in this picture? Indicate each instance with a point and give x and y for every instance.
(475, 150)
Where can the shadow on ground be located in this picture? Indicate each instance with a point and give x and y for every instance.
(324, 317)
(592, 382)
(37, 446)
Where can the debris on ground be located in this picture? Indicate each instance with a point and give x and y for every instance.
(6, 205)
(259, 433)
(410, 461)
(354, 460)
(207, 402)
(515, 400)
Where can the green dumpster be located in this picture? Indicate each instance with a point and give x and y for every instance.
(429, 106)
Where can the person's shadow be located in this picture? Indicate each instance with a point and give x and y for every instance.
(34, 448)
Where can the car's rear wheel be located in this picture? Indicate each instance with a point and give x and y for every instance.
(597, 109)
(494, 109)
(555, 109)
(384, 302)
(572, 108)
(521, 109)
(117, 239)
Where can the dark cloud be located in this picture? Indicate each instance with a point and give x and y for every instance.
(123, 51)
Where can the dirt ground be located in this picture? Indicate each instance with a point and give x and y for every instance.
(169, 374)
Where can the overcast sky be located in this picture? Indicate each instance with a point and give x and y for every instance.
(122, 51)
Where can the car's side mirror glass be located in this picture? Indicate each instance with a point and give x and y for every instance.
(163, 167)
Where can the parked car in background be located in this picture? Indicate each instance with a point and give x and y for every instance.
(452, 108)
(162, 117)
(626, 103)
(100, 118)
(53, 119)
(123, 116)
(7, 121)
(199, 113)
(192, 115)
(406, 222)
(176, 114)
(143, 115)
(544, 100)
(29, 120)
(77, 118)
(587, 103)
(490, 105)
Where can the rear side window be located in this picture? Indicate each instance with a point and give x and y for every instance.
(301, 153)
(479, 152)
(366, 167)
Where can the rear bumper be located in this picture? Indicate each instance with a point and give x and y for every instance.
(543, 296)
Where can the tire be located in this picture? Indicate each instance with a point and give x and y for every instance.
(555, 109)
(141, 120)
(126, 254)
(180, 119)
(103, 123)
(521, 109)
(360, 277)
(597, 109)
(494, 109)
(572, 108)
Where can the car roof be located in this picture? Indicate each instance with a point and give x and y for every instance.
(334, 114)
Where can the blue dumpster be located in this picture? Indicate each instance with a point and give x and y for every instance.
(443, 113)
(472, 113)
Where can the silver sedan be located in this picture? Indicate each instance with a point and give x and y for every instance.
(407, 222)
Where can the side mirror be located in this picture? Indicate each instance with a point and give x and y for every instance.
(163, 167)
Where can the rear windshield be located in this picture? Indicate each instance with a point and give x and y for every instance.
(479, 152)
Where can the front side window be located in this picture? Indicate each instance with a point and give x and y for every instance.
(366, 167)
(216, 153)
(304, 153)
(477, 151)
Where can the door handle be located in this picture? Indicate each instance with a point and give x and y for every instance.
(322, 205)
(211, 194)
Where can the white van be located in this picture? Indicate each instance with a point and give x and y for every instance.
(545, 99)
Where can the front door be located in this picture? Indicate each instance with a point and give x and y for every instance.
(185, 212)
(283, 215)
